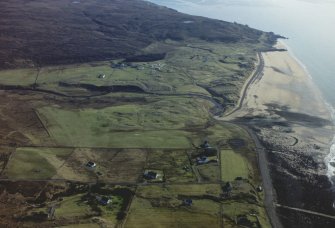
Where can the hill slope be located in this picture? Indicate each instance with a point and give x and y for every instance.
(45, 32)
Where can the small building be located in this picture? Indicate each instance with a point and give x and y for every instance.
(153, 175)
(51, 212)
(104, 200)
(205, 145)
(91, 165)
(187, 202)
(228, 187)
(150, 175)
(202, 160)
(210, 151)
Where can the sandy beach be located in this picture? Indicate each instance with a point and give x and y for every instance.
(286, 111)
(285, 95)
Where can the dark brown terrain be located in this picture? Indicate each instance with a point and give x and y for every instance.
(44, 32)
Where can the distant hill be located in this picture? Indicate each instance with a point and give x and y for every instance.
(49, 32)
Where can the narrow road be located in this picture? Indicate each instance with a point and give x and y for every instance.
(255, 76)
(266, 178)
(262, 159)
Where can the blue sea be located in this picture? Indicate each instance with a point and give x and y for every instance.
(309, 25)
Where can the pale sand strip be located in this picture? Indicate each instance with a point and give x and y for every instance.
(286, 83)
(288, 87)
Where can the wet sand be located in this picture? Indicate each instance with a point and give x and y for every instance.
(292, 121)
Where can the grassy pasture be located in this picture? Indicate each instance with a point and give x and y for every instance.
(232, 210)
(172, 162)
(185, 67)
(157, 206)
(36, 163)
(143, 214)
(160, 124)
(209, 172)
(73, 206)
(113, 165)
(233, 165)
(171, 192)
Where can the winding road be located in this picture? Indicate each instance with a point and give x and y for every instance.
(257, 74)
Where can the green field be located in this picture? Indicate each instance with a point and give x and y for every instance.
(186, 69)
(73, 206)
(233, 165)
(156, 206)
(143, 214)
(36, 163)
(161, 124)
(232, 210)
(172, 163)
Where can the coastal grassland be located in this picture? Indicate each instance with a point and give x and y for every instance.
(73, 206)
(113, 165)
(81, 204)
(236, 148)
(178, 190)
(143, 214)
(209, 172)
(157, 206)
(249, 215)
(164, 123)
(233, 165)
(190, 67)
(118, 165)
(36, 163)
(192, 89)
(175, 165)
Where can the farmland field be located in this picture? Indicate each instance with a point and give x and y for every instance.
(35, 163)
(233, 165)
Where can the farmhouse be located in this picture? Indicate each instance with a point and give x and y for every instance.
(205, 145)
(150, 175)
(153, 175)
(104, 200)
(228, 187)
(202, 160)
(90, 165)
(187, 202)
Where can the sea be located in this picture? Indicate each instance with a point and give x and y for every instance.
(309, 25)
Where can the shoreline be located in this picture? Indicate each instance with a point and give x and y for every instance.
(292, 121)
